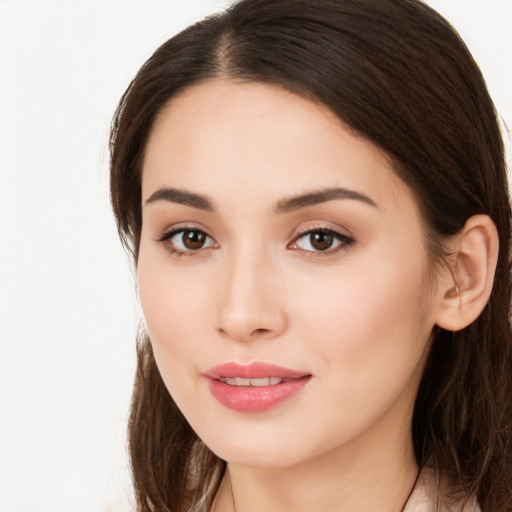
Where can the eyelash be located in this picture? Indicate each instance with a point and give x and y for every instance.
(166, 238)
(345, 242)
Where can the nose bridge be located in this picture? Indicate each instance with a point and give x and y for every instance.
(249, 306)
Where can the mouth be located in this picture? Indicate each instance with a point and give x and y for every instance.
(257, 387)
(265, 381)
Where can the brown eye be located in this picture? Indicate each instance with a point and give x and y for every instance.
(321, 241)
(186, 241)
(193, 240)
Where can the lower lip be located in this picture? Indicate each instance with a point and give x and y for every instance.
(255, 398)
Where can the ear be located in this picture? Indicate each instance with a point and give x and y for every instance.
(465, 286)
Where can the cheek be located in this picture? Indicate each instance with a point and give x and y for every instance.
(173, 315)
(369, 317)
(368, 337)
(173, 308)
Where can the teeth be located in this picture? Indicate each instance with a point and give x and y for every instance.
(239, 381)
(260, 382)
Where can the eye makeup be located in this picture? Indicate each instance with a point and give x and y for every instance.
(188, 240)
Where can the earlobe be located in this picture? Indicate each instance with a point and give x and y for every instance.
(466, 286)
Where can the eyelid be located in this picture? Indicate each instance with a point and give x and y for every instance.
(316, 226)
(181, 226)
(166, 236)
(346, 240)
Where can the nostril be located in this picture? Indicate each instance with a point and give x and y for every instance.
(240, 334)
(260, 331)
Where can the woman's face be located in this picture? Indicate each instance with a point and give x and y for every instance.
(282, 274)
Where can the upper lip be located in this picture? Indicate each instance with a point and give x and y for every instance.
(255, 370)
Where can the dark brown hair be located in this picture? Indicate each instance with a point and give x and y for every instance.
(399, 75)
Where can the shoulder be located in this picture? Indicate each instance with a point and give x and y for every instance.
(423, 497)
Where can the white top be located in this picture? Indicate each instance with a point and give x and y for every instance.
(423, 497)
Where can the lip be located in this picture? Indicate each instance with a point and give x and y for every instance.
(254, 398)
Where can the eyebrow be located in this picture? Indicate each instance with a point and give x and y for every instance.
(287, 205)
(174, 195)
(322, 196)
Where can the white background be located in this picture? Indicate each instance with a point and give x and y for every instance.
(67, 303)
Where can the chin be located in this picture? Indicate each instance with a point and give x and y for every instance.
(261, 446)
(259, 456)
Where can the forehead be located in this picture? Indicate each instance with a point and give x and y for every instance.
(225, 138)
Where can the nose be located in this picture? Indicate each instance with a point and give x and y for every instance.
(250, 305)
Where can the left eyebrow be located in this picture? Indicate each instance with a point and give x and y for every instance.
(321, 196)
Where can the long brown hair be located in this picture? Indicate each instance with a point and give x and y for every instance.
(399, 75)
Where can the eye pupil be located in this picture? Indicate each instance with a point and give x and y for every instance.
(193, 239)
(321, 241)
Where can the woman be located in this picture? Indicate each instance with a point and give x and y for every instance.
(315, 198)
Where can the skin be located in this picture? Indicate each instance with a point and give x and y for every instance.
(358, 317)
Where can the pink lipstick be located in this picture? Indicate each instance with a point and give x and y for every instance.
(256, 387)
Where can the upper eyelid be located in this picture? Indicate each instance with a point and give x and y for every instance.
(176, 228)
(318, 228)
(339, 230)
(334, 232)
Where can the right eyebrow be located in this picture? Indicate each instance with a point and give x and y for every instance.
(174, 195)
